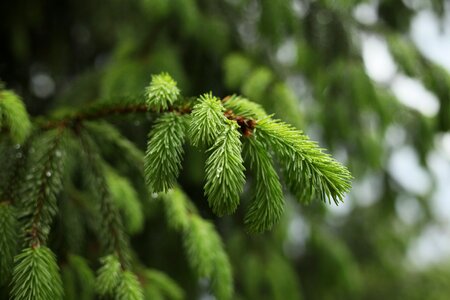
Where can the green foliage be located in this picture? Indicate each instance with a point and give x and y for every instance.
(8, 240)
(13, 116)
(36, 275)
(109, 275)
(38, 203)
(127, 201)
(202, 244)
(225, 171)
(237, 67)
(129, 287)
(302, 60)
(244, 107)
(206, 255)
(84, 276)
(267, 204)
(178, 209)
(109, 227)
(207, 120)
(164, 152)
(309, 171)
(106, 134)
(162, 92)
(257, 83)
(162, 285)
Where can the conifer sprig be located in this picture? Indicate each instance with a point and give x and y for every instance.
(202, 243)
(267, 204)
(164, 152)
(207, 120)
(225, 171)
(108, 277)
(161, 286)
(113, 280)
(110, 229)
(162, 92)
(13, 116)
(309, 171)
(36, 275)
(129, 287)
(8, 240)
(38, 203)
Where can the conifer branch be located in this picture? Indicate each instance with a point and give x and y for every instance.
(36, 275)
(8, 240)
(164, 152)
(308, 170)
(267, 203)
(157, 285)
(13, 116)
(38, 201)
(202, 243)
(225, 172)
(111, 232)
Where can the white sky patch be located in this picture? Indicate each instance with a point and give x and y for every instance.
(440, 168)
(430, 247)
(443, 141)
(432, 37)
(343, 209)
(378, 61)
(413, 94)
(366, 13)
(367, 190)
(408, 209)
(287, 53)
(404, 166)
(395, 136)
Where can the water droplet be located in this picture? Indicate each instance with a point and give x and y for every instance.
(48, 173)
(137, 123)
(154, 195)
(17, 146)
(58, 153)
(218, 175)
(19, 155)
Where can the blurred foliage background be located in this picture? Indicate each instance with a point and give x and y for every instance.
(305, 61)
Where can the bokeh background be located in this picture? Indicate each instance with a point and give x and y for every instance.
(368, 79)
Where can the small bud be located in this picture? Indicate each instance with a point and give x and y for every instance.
(162, 92)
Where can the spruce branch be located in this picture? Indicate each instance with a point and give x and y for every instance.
(178, 209)
(157, 282)
(243, 107)
(127, 201)
(202, 243)
(207, 120)
(225, 171)
(13, 116)
(308, 170)
(162, 92)
(108, 276)
(8, 240)
(164, 152)
(114, 281)
(36, 275)
(38, 203)
(111, 233)
(13, 160)
(129, 287)
(267, 204)
(84, 276)
(106, 134)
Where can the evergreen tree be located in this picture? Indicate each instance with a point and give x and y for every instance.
(160, 150)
